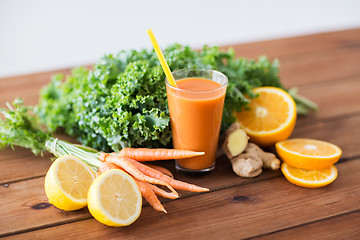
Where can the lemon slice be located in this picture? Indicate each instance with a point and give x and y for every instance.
(67, 182)
(309, 178)
(308, 153)
(114, 198)
(271, 118)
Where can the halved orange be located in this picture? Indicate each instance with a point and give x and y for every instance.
(308, 153)
(271, 118)
(309, 178)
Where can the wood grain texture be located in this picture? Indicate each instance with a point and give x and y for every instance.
(297, 45)
(232, 213)
(25, 194)
(320, 66)
(339, 227)
(331, 131)
(336, 98)
(24, 205)
(26, 86)
(21, 163)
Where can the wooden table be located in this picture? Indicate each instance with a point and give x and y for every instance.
(325, 67)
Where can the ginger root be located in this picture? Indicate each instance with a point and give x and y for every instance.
(247, 165)
(247, 159)
(269, 159)
(235, 142)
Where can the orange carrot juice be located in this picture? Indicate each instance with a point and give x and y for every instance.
(196, 107)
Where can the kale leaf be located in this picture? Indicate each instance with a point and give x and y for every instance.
(122, 101)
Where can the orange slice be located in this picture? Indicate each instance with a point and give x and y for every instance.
(309, 178)
(271, 117)
(308, 153)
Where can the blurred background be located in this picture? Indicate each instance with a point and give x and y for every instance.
(42, 35)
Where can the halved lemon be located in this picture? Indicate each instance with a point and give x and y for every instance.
(309, 178)
(308, 153)
(114, 198)
(271, 118)
(67, 182)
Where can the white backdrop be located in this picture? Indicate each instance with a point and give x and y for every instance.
(40, 35)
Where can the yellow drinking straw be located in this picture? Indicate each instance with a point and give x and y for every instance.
(161, 58)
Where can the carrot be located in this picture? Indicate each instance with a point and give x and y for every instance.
(172, 182)
(105, 166)
(160, 169)
(126, 164)
(160, 192)
(150, 196)
(147, 154)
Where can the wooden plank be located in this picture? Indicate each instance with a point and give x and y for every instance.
(22, 196)
(25, 205)
(340, 227)
(319, 66)
(333, 66)
(342, 132)
(25, 86)
(21, 163)
(335, 98)
(333, 131)
(298, 44)
(233, 213)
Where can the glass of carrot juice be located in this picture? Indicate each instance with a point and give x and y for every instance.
(196, 108)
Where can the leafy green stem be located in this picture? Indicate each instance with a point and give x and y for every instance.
(20, 128)
(303, 104)
(60, 148)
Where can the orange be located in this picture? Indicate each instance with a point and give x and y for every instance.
(309, 178)
(271, 118)
(308, 153)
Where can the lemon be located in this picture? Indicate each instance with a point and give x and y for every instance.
(67, 182)
(309, 178)
(271, 117)
(114, 198)
(308, 153)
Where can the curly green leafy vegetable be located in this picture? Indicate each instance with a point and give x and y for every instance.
(122, 101)
(19, 127)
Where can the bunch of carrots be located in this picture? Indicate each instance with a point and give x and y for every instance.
(148, 176)
(18, 127)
